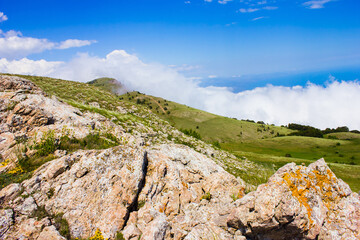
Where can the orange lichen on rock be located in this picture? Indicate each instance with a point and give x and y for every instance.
(323, 185)
(302, 182)
(294, 180)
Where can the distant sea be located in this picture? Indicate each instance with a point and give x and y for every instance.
(249, 82)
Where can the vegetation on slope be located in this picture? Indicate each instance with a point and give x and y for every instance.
(268, 146)
(108, 84)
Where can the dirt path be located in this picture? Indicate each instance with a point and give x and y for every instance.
(162, 109)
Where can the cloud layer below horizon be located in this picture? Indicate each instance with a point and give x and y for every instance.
(331, 105)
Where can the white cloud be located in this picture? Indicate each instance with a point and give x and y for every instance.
(262, 2)
(13, 45)
(316, 4)
(224, 1)
(3, 17)
(258, 18)
(270, 8)
(248, 10)
(187, 2)
(29, 67)
(70, 43)
(331, 105)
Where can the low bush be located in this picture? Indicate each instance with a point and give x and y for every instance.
(191, 133)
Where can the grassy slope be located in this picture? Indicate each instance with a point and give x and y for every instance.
(255, 141)
(210, 126)
(258, 142)
(108, 84)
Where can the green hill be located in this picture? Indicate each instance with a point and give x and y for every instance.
(261, 143)
(212, 128)
(108, 84)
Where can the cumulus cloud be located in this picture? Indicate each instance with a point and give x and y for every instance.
(3, 17)
(316, 4)
(331, 105)
(29, 67)
(13, 45)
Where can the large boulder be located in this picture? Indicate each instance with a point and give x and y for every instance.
(299, 202)
(162, 192)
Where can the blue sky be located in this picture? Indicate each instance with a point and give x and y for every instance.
(217, 39)
(237, 58)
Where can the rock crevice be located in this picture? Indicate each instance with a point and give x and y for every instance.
(135, 203)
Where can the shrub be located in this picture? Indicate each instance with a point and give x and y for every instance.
(119, 236)
(47, 144)
(216, 144)
(62, 225)
(191, 133)
(306, 131)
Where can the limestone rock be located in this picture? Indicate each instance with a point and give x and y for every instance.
(6, 220)
(50, 233)
(299, 202)
(177, 183)
(9, 192)
(131, 232)
(16, 84)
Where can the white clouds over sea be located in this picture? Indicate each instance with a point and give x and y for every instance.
(331, 105)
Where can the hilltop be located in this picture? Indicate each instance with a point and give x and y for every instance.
(78, 161)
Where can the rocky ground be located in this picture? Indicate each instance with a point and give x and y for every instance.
(148, 186)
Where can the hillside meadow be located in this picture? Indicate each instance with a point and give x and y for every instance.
(264, 144)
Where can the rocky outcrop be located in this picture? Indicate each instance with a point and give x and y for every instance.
(155, 193)
(27, 113)
(147, 187)
(299, 203)
(17, 84)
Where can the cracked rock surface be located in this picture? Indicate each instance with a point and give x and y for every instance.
(108, 195)
(299, 203)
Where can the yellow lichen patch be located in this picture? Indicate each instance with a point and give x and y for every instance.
(294, 180)
(323, 185)
(301, 183)
(241, 193)
(162, 208)
(185, 185)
